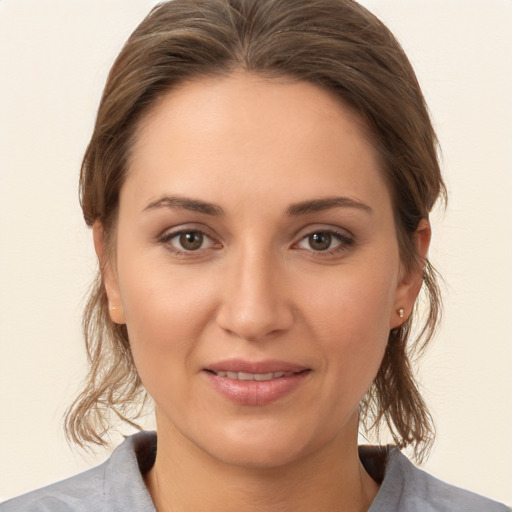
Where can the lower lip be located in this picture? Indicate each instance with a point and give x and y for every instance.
(251, 392)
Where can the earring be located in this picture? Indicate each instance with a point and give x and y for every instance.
(401, 312)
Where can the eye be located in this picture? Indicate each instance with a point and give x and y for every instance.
(325, 241)
(191, 240)
(321, 241)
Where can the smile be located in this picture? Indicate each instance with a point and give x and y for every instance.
(255, 384)
(254, 376)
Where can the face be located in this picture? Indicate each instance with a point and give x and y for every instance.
(256, 268)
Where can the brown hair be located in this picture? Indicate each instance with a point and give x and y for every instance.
(337, 45)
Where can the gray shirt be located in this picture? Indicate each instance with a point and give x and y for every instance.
(117, 485)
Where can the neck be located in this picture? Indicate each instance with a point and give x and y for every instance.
(186, 478)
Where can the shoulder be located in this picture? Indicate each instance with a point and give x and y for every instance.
(73, 494)
(407, 488)
(116, 484)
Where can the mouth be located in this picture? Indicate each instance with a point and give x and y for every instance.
(254, 376)
(248, 383)
(242, 369)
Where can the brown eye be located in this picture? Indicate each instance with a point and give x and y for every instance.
(326, 243)
(191, 240)
(320, 241)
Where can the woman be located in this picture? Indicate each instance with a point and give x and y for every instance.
(258, 183)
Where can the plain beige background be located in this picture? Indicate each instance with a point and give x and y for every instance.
(54, 57)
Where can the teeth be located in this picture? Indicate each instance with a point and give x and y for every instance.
(254, 376)
(266, 376)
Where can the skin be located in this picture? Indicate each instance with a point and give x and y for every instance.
(257, 288)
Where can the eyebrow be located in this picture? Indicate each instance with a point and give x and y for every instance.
(302, 208)
(319, 205)
(186, 203)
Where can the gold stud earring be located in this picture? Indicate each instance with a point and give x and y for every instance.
(401, 312)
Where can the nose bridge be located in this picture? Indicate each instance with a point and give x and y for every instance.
(254, 300)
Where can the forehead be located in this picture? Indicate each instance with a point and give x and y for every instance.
(243, 99)
(255, 135)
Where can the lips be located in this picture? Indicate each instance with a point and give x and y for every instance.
(255, 367)
(254, 376)
(255, 383)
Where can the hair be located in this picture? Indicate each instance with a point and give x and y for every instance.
(340, 47)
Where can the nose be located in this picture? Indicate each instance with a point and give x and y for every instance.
(255, 302)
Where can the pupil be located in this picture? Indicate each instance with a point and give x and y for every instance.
(191, 240)
(320, 241)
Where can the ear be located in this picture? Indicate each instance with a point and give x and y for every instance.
(409, 284)
(108, 275)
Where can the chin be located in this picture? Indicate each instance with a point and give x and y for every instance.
(262, 445)
(261, 456)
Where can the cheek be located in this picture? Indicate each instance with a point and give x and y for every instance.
(356, 300)
(166, 313)
(350, 320)
(159, 299)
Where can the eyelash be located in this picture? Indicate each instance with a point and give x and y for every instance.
(166, 238)
(345, 242)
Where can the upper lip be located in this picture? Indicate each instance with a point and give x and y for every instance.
(262, 367)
